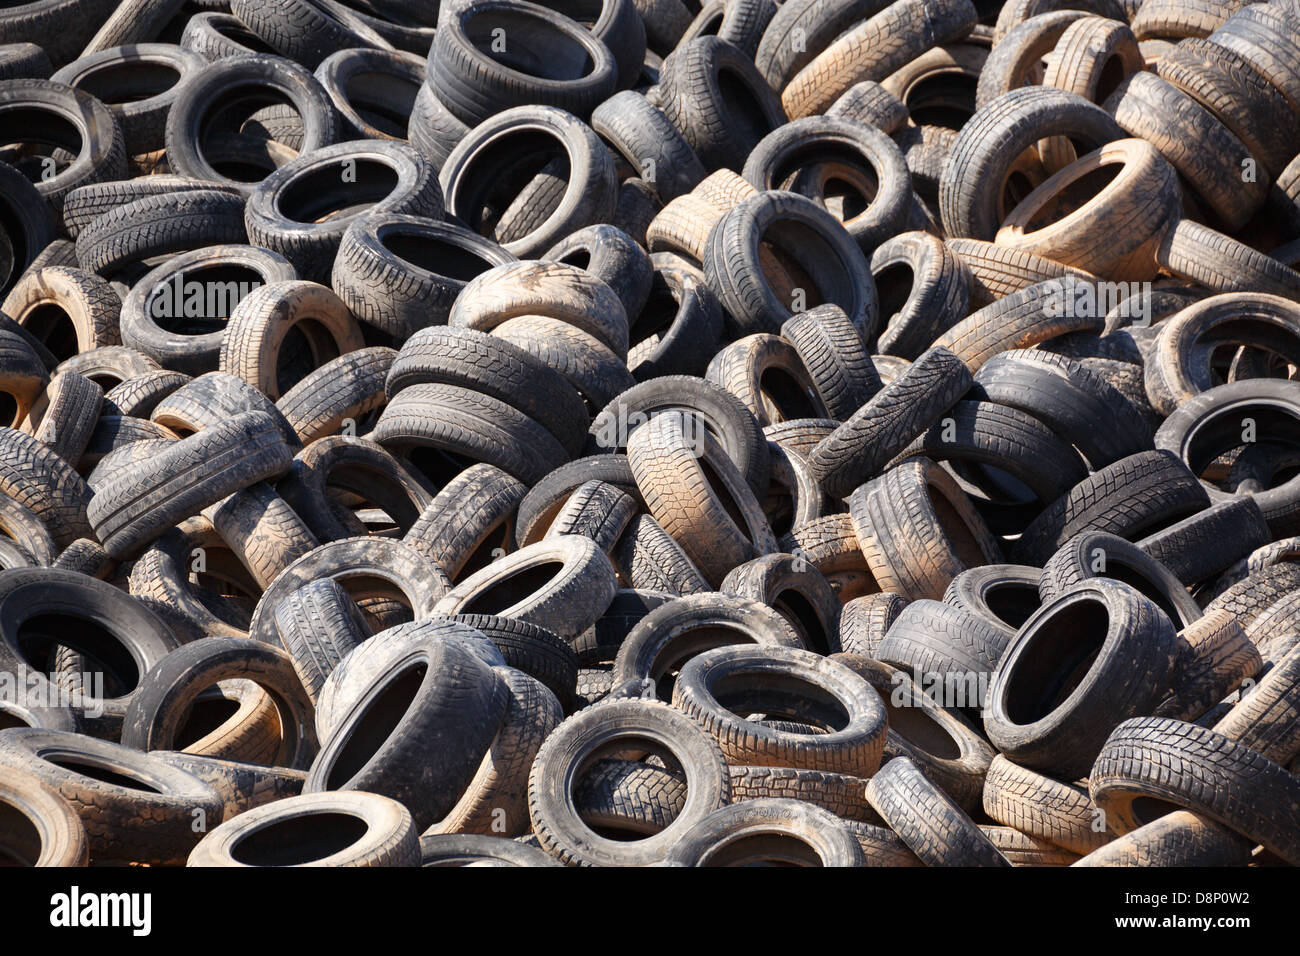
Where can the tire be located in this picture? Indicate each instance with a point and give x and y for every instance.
(896, 35)
(160, 225)
(677, 631)
(679, 494)
(451, 427)
(864, 621)
(28, 223)
(1209, 541)
(766, 373)
(647, 557)
(452, 697)
(473, 849)
(1042, 728)
(297, 29)
(1222, 658)
(389, 837)
(1201, 255)
(474, 85)
(136, 507)
(973, 180)
(721, 123)
(496, 800)
(1069, 399)
(130, 74)
(24, 61)
(754, 675)
(1146, 106)
(469, 520)
(1060, 813)
(556, 821)
(163, 701)
(612, 256)
(33, 475)
(216, 36)
(378, 566)
(1252, 796)
(373, 91)
(566, 601)
(597, 511)
(481, 172)
(347, 389)
(1138, 209)
(1132, 498)
(647, 139)
(202, 96)
(540, 505)
(43, 829)
(399, 294)
(432, 129)
(318, 624)
(799, 594)
(848, 143)
(924, 290)
(1230, 86)
(588, 365)
(552, 289)
(944, 745)
(303, 208)
(885, 425)
(1266, 38)
(679, 326)
(794, 833)
(716, 410)
(869, 102)
(1003, 594)
(98, 147)
(23, 378)
(64, 416)
(949, 646)
(121, 820)
(211, 399)
(540, 653)
(933, 827)
(811, 240)
(191, 344)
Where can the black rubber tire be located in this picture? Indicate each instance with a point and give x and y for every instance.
(722, 123)
(481, 173)
(1093, 554)
(389, 837)
(568, 600)
(796, 591)
(373, 90)
(344, 393)
(300, 30)
(647, 139)
(812, 239)
(454, 426)
(540, 653)
(850, 145)
(1249, 793)
(138, 82)
(135, 507)
(543, 501)
(609, 254)
(216, 35)
(213, 398)
(475, 85)
(24, 61)
(679, 326)
(768, 831)
(200, 97)
(1132, 498)
(303, 208)
(653, 726)
(885, 425)
(318, 624)
(475, 360)
(161, 225)
(27, 221)
(1209, 541)
(162, 703)
(192, 345)
(835, 358)
(667, 637)
(426, 758)
(927, 820)
(33, 475)
(469, 522)
(1083, 683)
(1069, 399)
(477, 849)
(755, 679)
(647, 557)
(146, 819)
(973, 179)
(399, 294)
(46, 112)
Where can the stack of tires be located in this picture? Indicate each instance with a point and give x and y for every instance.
(595, 432)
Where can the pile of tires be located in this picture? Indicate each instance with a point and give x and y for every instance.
(646, 432)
